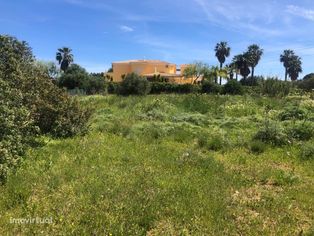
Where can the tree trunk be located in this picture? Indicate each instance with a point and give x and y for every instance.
(236, 76)
(286, 74)
(220, 76)
(252, 74)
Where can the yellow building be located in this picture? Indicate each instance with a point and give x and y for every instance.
(148, 69)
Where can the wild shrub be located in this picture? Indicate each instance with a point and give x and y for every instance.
(274, 87)
(249, 81)
(158, 88)
(16, 128)
(307, 151)
(233, 87)
(271, 134)
(96, 85)
(215, 141)
(292, 113)
(307, 83)
(74, 77)
(210, 87)
(257, 146)
(300, 130)
(133, 84)
(30, 102)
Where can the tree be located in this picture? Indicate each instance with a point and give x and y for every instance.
(74, 77)
(231, 70)
(49, 68)
(294, 67)
(196, 71)
(64, 57)
(222, 52)
(214, 72)
(285, 58)
(242, 65)
(236, 65)
(253, 55)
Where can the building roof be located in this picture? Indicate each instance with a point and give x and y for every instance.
(142, 61)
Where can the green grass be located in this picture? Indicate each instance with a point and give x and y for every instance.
(167, 165)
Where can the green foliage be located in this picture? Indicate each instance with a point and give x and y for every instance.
(96, 85)
(64, 57)
(158, 88)
(272, 134)
(196, 71)
(16, 128)
(307, 151)
(233, 87)
(134, 84)
(214, 141)
(257, 146)
(210, 87)
(30, 103)
(275, 88)
(307, 83)
(300, 130)
(74, 77)
(112, 88)
(252, 81)
(292, 113)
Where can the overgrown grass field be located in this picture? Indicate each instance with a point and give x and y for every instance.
(172, 165)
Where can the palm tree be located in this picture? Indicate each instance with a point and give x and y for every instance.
(214, 72)
(295, 67)
(235, 62)
(285, 58)
(231, 70)
(242, 65)
(65, 57)
(222, 52)
(253, 55)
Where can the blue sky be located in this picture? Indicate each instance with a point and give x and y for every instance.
(179, 31)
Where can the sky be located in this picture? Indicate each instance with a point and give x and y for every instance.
(179, 31)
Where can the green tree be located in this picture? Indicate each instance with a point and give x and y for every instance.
(285, 58)
(75, 77)
(222, 52)
(242, 65)
(64, 57)
(49, 68)
(253, 55)
(197, 70)
(294, 67)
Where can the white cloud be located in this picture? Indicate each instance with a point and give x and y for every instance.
(245, 17)
(126, 28)
(300, 11)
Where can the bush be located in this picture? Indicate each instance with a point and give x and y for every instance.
(233, 87)
(275, 88)
(307, 151)
(158, 88)
(30, 103)
(112, 87)
(134, 84)
(16, 128)
(209, 87)
(257, 147)
(301, 131)
(214, 141)
(292, 113)
(74, 77)
(95, 85)
(255, 81)
(307, 83)
(271, 134)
